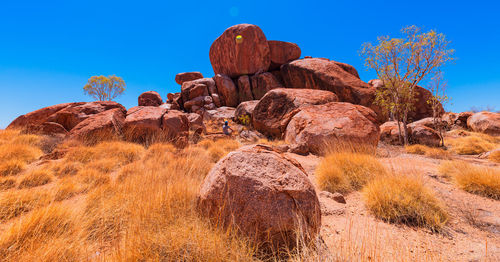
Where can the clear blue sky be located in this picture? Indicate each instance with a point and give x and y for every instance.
(48, 49)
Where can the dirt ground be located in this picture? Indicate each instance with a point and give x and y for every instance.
(351, 232)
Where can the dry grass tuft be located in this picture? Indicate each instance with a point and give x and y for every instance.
(21, 152)
(36, 178)
(347, 171)
(471, 143)
(484, 181)
(12, 167)
(495, 156)
(431, 152)
(64, 168)
(38, 229)
(15, 203)
(219, 148)
(404, 199)
(7, 183)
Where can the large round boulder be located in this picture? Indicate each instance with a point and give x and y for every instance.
(34, 119)
(273, 112)
(316, 127)
(264, 195)
(150, 98)
(423, 135)
(282, 53)
(485, 122)
(241, 50)
(389, 133)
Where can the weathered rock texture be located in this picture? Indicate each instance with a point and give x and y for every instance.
(485, 122)
(273, 112)
(282, 53)
(150, 98)
(318, 126)
(264, 195)
(180, 78)
(241, 50)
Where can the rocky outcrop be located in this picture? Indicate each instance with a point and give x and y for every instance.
(180, 78)
(227, 90)
(244, 89)
(241, 50)
(485, 122)
(175, 126)
(62, 118)
(197, 94)
(150, 98)
(273, 112)
(316, 73)
(219, 114)
(245, 110)
(282, 53)
(457, 120)
(143, 124)
(262, 83)
(348, 68)
(430, 123)
(420, 134)
(318, 126)
(71, 116)
(263, 195)
(106, 125)
(195, 122)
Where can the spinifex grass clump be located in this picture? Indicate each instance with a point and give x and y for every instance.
(480, 180)
(404, 199)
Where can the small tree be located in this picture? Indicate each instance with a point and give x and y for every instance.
(401, 63)
(104, 88)
(437, 87)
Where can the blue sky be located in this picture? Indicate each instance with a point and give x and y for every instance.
(48, 49)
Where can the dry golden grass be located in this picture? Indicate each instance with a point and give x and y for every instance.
(404, 199)
(64, 168)
(495, 156)
(347, 171)
(431, 152)
(7, 183)
(471, 143)
(219, 148)
(15, 203)
(12, 167)
(480, 180)
(36, 178)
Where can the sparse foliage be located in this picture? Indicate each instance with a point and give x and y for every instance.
(104, 88)
(402, 63)
(437, 87)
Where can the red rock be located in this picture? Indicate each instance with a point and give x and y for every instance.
(243, 56)
(485, 122)
(455, 120)
(175, 125)
(314, 127)
(219, 114)
(244, 89)
(322, 74)
(71, 116)
(195, 122)
(210, 106)
(275, 109)
(217, 100)
(423, 135)
(376, 83)
(47, 128)
(430, 123)
(150, 98)
(180, 78)
(389, 133)
(227, 90)
(282, 53)
(264, 195)
(245, 109)
(143, 124)
(348, 68)
(102, 126)
(38, 117)
(262, 83)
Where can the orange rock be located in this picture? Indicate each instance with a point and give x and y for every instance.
(150, 98)
(282, 53)
(245, 57)
(180, 78)
(103, 126)
(263, 195)
(485, 122)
